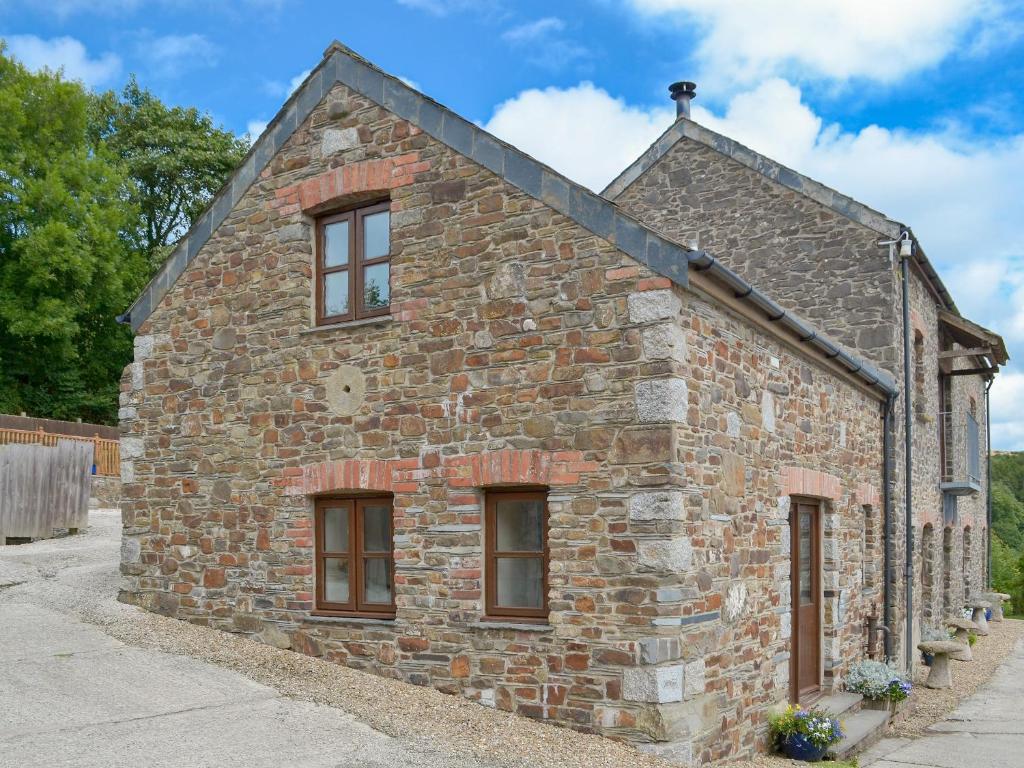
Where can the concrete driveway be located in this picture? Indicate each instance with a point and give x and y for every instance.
(71, 695)
(986, 730)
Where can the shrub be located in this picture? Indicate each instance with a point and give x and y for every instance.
(971, 638)
(815, 725)
(877, 680)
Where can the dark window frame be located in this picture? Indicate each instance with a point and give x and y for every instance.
(356, 606)
(492, 610)
(355, 265)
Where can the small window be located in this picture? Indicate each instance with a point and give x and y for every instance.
(354, 557)
(517, 555)
(353, 264)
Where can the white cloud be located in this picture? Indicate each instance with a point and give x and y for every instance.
(1007, 401)
(67, 54)
(582, 131)
(743, 41)
(254, 128)
(439, 7)
(284, 90)
(62, 9)
(533, 30)
(960, 194)
(170, 55)
(542, 44)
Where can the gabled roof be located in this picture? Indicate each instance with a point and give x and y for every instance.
(787, 177)
(593, 212)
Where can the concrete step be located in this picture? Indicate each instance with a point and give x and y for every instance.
(840, 704)
(862, 729)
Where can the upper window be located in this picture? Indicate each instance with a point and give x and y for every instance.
(517, 555)
(353, 264)
(354, 558)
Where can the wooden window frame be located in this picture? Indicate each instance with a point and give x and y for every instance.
(355, 265)
(356, 605)
(492, 610)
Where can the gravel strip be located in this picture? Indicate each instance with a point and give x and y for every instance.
(931, 706)
(78, 575)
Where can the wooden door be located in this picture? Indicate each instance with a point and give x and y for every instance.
(805, 664)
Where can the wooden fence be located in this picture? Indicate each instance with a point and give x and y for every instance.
(43, 487)
(106, 452)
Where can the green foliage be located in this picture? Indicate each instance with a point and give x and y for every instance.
(1008, 527)
(877, 680)
(1007, 514)
(66, 269)
(176, 157)
(94, 191)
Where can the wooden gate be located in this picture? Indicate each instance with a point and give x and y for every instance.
(44, 487)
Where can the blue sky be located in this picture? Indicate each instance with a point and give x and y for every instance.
(911, 106)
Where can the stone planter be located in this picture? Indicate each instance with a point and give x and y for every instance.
(884, 705)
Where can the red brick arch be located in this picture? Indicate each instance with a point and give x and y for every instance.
(350, 179)
(797, 481)
(505, 467)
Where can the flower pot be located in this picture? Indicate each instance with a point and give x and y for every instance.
(927, 659)
(798, 747)
(988, 614)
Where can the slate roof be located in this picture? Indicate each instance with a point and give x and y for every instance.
(787, 177)
(591, 211)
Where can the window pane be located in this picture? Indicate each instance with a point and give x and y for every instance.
(336, 244)
(806, 596)
(376, 528)
(520, 525)
(336, 294)
(376, 238)
(377, 577)
(376, 286)
(336, 529)
(336, 579)
(520, 582)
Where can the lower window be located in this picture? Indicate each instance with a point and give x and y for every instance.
(516, 552)
(354, 556)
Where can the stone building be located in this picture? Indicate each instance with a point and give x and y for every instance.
(838, 263)
(407, 399)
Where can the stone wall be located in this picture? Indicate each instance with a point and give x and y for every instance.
(831, 270)
(805, 256)
(521, 349)
(762, 427)
(106, 492)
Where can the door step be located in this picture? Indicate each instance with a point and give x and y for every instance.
(840, 704)
(862, 730)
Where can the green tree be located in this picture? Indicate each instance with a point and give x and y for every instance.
(66, 268)
(1007, 515)
(1006, 576)
(176, 157)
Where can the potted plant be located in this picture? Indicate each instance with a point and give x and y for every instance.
(881, 685)
(804, 734)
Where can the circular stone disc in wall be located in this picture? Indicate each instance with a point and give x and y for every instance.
(346, 390)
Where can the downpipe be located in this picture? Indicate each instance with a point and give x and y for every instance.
(906, 250)
(988, 486)
(887, 505)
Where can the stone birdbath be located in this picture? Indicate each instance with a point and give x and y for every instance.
(940, 650)
(963, 627)
(978, 608)
(997, 599)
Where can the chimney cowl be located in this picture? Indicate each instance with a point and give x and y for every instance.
(682, 93)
